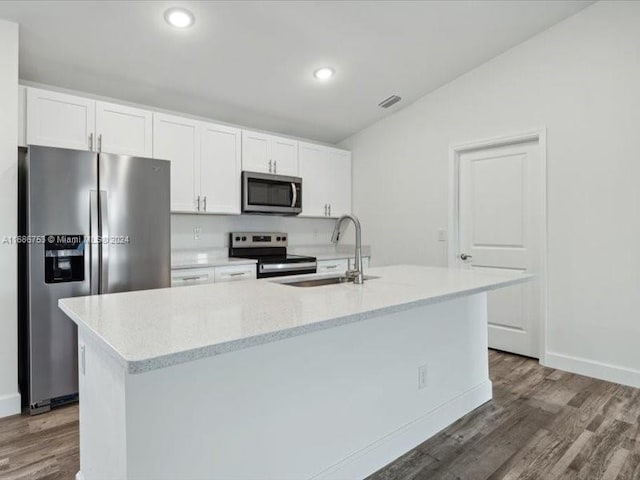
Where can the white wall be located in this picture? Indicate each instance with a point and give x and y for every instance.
(215, 229)
(581, 80)
(9, 397)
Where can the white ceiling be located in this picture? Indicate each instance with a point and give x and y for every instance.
(251, 63)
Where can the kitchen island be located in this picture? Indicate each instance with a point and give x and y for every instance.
(264, 380)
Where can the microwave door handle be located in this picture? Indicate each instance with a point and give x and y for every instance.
(295, 194)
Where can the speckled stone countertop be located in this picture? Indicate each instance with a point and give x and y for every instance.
(200, 258)
(152, 329)
(218, 257)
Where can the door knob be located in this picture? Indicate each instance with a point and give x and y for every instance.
(464, 256)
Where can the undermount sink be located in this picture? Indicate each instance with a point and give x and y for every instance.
(319, 282)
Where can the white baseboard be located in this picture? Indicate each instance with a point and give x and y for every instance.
(592, 368)
(9, 405)
(370, 459)
(79, 476)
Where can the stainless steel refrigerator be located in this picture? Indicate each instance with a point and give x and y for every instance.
(90, 223)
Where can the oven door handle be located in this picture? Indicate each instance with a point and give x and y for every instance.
(286, 267)
(295, 194)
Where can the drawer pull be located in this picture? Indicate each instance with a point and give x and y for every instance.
(237, 274)
(191, 278)
(331, 266)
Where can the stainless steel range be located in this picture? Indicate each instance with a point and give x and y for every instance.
(270, 250)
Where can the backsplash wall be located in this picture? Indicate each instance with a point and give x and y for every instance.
(214, 229)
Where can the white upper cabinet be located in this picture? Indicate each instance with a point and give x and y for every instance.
(269, 154)
(326, 180)
(256, 152)
(313, 170)
(177, 139)
(123, 130)
(60, 120)
(284, 153)
(339, 182)
(220, 166)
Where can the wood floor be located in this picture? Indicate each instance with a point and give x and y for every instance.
(543, 424)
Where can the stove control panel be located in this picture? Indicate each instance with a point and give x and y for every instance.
(257, 239)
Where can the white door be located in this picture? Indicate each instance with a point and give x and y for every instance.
(177, 139)
(124, 130)
(501, 210)
(313, 170)
(284, 153)
(339, 182)
(220, 166)
(60, 120)
(256, 152)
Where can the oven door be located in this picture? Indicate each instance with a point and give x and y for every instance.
(266, 270)
(266, 193)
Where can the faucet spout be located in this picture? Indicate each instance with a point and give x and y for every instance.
(357, 273)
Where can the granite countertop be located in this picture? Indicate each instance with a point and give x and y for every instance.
(218, 257)
(152, 329)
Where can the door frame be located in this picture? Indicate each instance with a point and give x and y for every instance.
(453, 243)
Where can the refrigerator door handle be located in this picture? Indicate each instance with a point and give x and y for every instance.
(94, 246)
(104, 242)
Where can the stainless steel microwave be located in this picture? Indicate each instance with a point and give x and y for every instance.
(274, 194)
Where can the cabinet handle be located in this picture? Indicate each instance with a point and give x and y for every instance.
(100, 142)
(329, 209)
(328, 267)
(275, 166)
(237, 274)
(197, 277)
(205, 203)
(198, 200)
(91, 141)
(325, 209)
(270, 162)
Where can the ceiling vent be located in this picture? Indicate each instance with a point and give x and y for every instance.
(387, 102)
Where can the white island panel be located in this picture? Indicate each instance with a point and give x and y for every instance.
(336, 403)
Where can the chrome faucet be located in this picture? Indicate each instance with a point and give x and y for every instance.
(356, 274)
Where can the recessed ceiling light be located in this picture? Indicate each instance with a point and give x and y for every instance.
(324, 73)
(179, 17)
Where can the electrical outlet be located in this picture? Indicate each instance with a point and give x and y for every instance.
(196, 233)
(442, 235)
(423, 377)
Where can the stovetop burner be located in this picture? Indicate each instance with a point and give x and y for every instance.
(270, 250)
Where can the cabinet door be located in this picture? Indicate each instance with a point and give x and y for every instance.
(284, 153)
(220, 166)
(59, 120)
(234, 273)
(123, 130)
(192, 276)
(313, 170)
(177, 139)
(338, 266)
(339, 182)
(256, 152)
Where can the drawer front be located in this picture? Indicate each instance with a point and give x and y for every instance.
(192, 276)
(333, 266)
(235, 273)
(365, 263)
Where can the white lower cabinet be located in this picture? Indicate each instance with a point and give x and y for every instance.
(200, 276)
(340, 266)
(365, 262)
(192, 276)
(235, 273)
